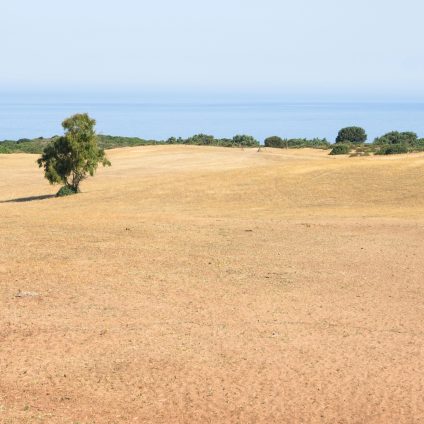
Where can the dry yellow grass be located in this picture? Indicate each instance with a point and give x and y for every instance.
(208, 285)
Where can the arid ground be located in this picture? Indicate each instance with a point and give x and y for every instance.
(212, 285)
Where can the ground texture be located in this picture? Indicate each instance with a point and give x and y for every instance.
(211, 285)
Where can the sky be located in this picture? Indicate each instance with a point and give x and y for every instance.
(299, 47)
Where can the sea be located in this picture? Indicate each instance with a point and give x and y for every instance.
(159, 119)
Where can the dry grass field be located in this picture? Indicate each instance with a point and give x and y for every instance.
(210, 285)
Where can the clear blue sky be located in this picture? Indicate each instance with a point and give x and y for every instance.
(298, 47)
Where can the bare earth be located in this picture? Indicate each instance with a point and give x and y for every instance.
(211, 285)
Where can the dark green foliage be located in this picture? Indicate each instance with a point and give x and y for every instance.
(210, 140)
(396, 142)
(111, 142)
(396, 137)
(315, 143)
(341, 149)
(351, 135)
(173, 140)
(71, 158)
(419, 145)
(65, 191)
(31, 146)
(201, 140)
(106, 142)
(393, 149)
(245, 141)
(297, 143)
(275, 141)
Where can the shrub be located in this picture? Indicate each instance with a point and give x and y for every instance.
(393, 149)
(275, 141)
(66, 191)
(173, 140)
(245, 141)
(340, 149)
(396, 137)
(314, 143)
(201, 140)
(351, 135)
(419, 145)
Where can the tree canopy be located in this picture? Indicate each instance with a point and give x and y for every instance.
(71, 158)
(351, 135)
(275, 141)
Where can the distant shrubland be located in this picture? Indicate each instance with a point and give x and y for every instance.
(210, 140)
(106, 142)
(296, 143)
(350, 139)
(37, 145)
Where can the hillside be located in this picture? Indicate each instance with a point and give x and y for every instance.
(204, 284)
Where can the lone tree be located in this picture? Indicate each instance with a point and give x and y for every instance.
(351, 135)
(69, 159)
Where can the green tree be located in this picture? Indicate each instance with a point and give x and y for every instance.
(352, 135)
(71, 158)
(275, 141)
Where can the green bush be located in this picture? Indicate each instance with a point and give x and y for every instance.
(201, 140)
(396, 137)
(393, 149)
(340, 149)
(314, 143)
(245, 141)
(352, 135)
(275, 141)
(66, 191)
(297, 143)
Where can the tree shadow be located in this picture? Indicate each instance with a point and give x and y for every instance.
(28, 199)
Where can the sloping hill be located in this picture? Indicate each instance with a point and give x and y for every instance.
(203, 284)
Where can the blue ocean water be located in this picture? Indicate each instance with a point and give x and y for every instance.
(29, 118)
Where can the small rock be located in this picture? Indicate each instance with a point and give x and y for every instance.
(26, 294)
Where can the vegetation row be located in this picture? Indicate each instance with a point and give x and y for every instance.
(350, 140)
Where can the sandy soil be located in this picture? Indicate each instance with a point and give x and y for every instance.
(208, 285)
